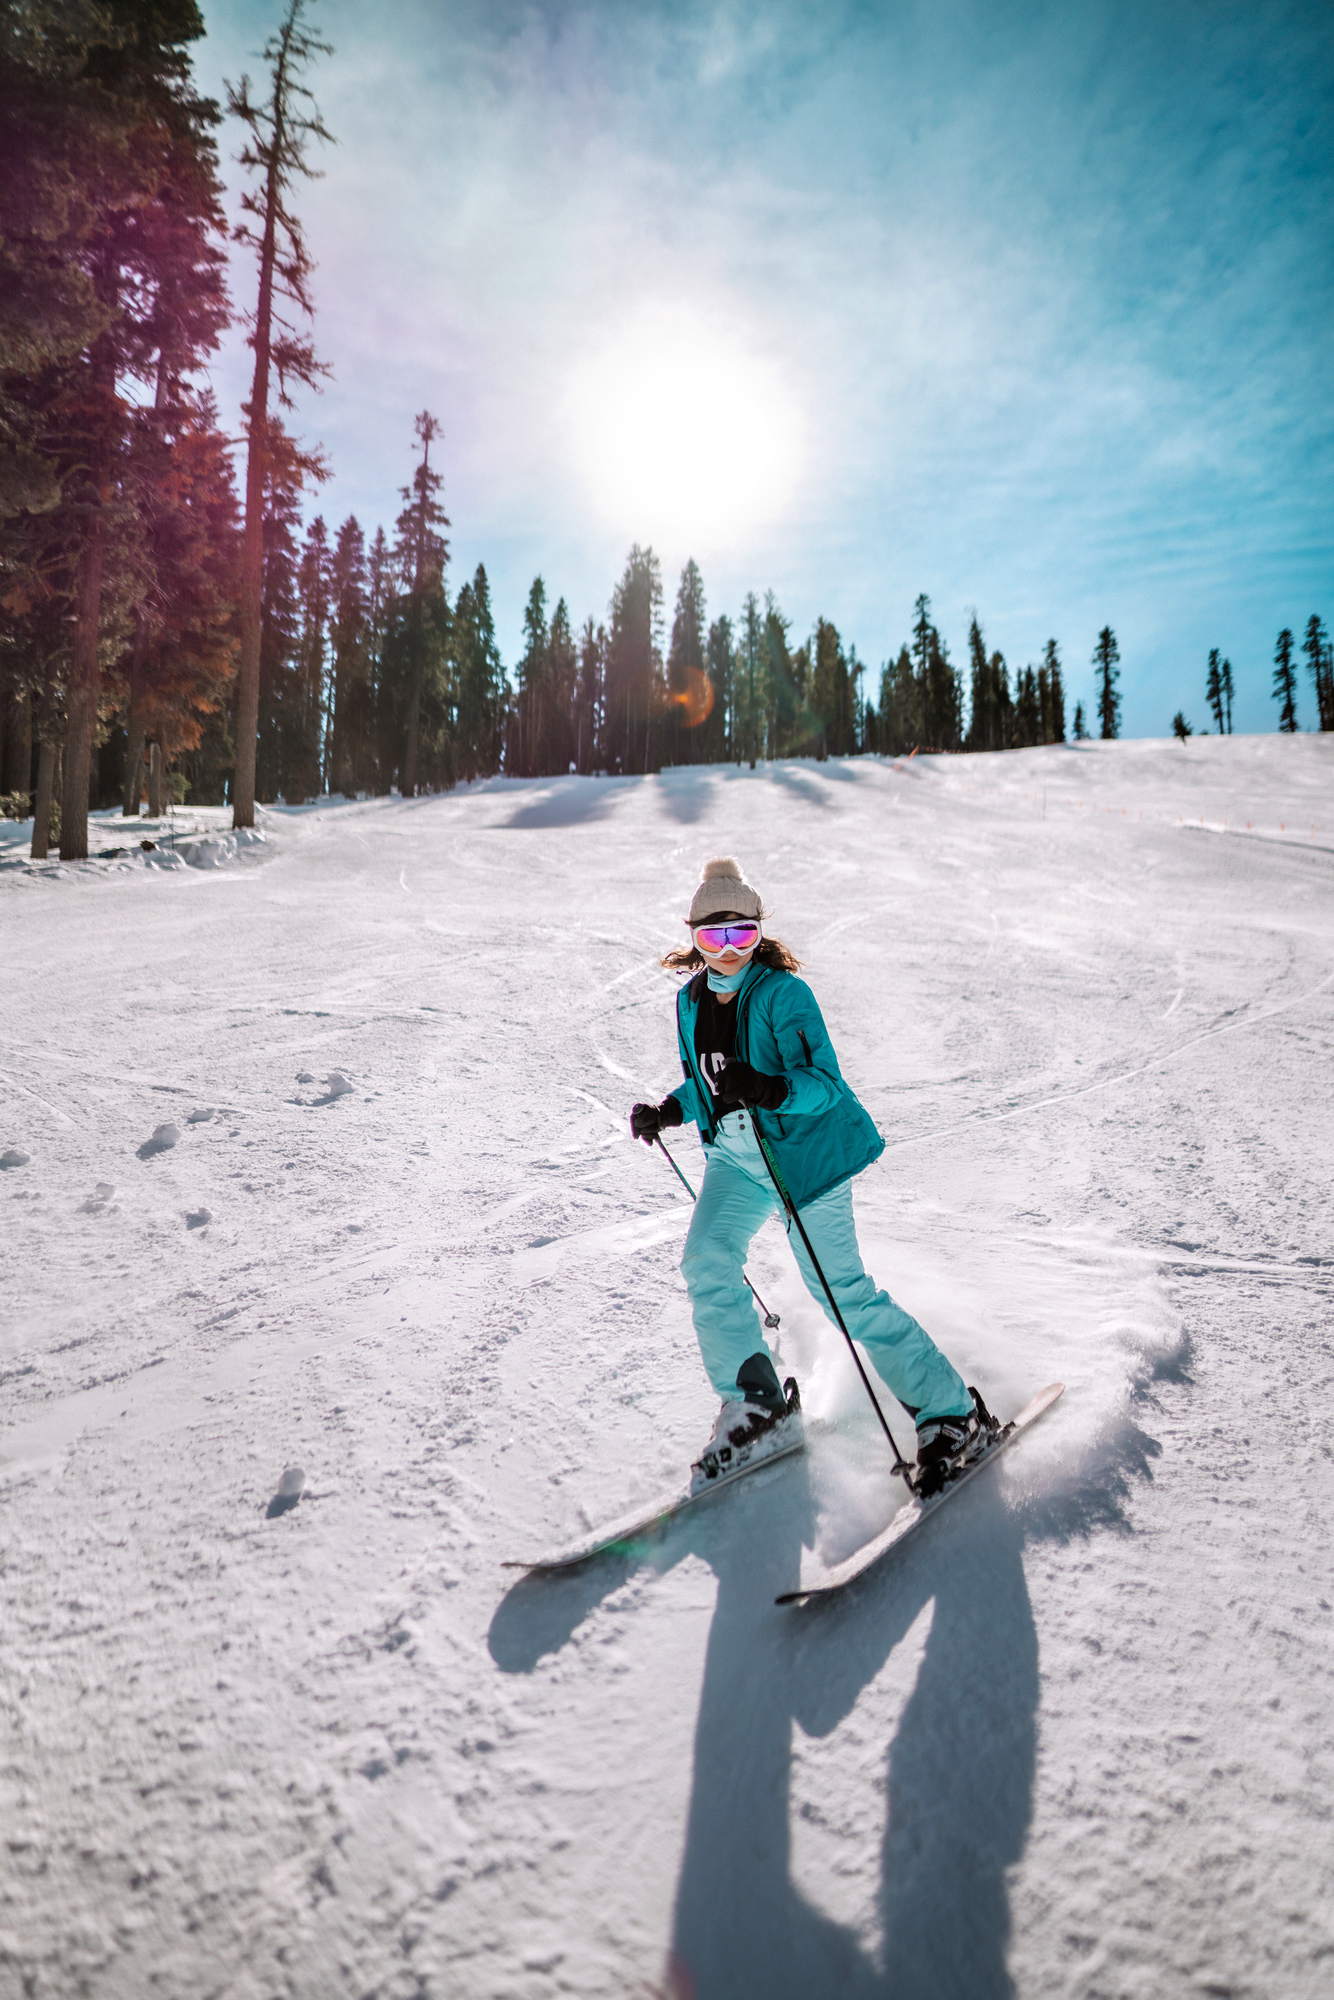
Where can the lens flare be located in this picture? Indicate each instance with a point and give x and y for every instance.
(695, 699)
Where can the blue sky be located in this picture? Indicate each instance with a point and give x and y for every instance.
(1025, 306)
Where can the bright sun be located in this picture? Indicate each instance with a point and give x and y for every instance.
(682, 434)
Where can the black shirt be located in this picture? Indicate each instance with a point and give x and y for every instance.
(715, 1041)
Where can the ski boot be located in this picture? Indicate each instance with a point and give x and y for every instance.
(945, 1445)
(765, 1419)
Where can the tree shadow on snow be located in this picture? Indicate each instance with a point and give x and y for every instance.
(686, 791)
(960, 1764)
(567, 802)
(802, 783)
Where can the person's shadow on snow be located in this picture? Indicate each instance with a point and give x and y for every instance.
(960, 1765)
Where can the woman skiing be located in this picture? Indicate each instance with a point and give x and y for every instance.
(761, 1073)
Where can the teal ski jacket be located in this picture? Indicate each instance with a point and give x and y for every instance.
(820, 1135)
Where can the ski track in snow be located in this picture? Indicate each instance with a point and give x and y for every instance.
(1074, 1743)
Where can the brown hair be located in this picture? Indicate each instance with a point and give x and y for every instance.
(769, 951)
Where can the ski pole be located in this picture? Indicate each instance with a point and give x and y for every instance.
(771, 1319)
(901, 1465)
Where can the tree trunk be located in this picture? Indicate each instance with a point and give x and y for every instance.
(409, 787)
(134, 761)
(46, 778)
(134, 784)
(252, 548)
(84, 684)
(16, 775)
(155, 782)
(85, 671)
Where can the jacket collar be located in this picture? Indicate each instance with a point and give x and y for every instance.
(696, 986)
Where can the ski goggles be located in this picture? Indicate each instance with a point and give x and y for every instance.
(718, 938)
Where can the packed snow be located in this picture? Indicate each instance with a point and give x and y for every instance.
(331, 1280)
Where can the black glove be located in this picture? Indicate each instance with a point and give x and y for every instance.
(647, 1120)
(745, 1085)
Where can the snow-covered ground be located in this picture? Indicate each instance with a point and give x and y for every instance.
(1075, 1742)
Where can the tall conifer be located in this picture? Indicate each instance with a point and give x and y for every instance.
(635, 690)
(531, 731)
(686, 681)
(1105, 656)
(1213, 688)
(423, 553)
(481, 683)
(592, 687)
(1285, 682)
(749, 683)
(1320, 665)
(315, 583)
(831, 693)
(981, 719)
(280, 131)
(109, 273)
(718, 730)
(1055, 732)
(350, 729)
(562, 688)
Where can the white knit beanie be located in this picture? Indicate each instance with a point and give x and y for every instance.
(723, 887)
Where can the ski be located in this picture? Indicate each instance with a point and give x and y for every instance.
(633, 1527)
(912, 1516)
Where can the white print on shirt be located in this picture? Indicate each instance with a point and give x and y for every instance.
(711, 1068)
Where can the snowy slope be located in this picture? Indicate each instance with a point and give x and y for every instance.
(1077, 1742)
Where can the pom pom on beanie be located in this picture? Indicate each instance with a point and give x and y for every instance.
(723, 887)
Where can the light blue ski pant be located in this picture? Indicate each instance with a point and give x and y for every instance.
(736, 1197)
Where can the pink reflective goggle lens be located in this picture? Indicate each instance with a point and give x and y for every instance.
(718, 937)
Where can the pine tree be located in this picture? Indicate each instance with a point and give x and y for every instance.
(562, 688)
(1226, 680)
(351, 709)
(314, 583)
(280, 129)
(62, 139)
(527, 757)
(1055, 711)
(1105, 656)
(1027, 711)
(717, 730)
(1213, 688)
(182, 656)
(943, 699)
(900, 706)
(588, 754)
(423, 553)
(480, 677)
(1081, 727)
(1320, 664)
(981, 717)
(1002, 707)
(832, 693)
(857, 685)
(109, 272)
(749, 683)
(1285, 682)
(688, 688)
(780, 693)
(384, 702)
(635, 691)
(939, 685)
(1180, 727)
(281, 694)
